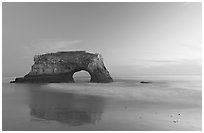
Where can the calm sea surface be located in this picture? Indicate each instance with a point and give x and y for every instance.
(125, 104)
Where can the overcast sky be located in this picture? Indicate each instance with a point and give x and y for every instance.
(134, 38)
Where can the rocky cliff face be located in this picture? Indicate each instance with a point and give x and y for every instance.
(60, 67)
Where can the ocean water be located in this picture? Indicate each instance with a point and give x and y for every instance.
(168, 103)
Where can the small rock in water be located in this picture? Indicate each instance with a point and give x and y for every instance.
(145, 82)
(175, 121)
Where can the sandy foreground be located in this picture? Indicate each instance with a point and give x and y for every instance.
(157, 116)
(146, 108)
(118, 106)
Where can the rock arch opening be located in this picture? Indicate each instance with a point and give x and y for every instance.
(82, 76)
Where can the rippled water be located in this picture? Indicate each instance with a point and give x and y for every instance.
(125, 104)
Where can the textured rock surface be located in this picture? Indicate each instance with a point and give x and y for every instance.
(60, 67)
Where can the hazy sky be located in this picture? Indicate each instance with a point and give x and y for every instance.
(134, 38)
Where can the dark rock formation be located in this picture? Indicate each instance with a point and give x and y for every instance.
(60, 67)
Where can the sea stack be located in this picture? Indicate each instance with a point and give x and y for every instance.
(59, 67)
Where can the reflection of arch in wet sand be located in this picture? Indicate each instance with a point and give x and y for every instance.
(72, 109)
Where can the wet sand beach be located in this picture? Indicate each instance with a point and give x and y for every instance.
(124, 105)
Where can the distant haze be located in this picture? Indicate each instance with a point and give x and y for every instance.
(134, 38)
